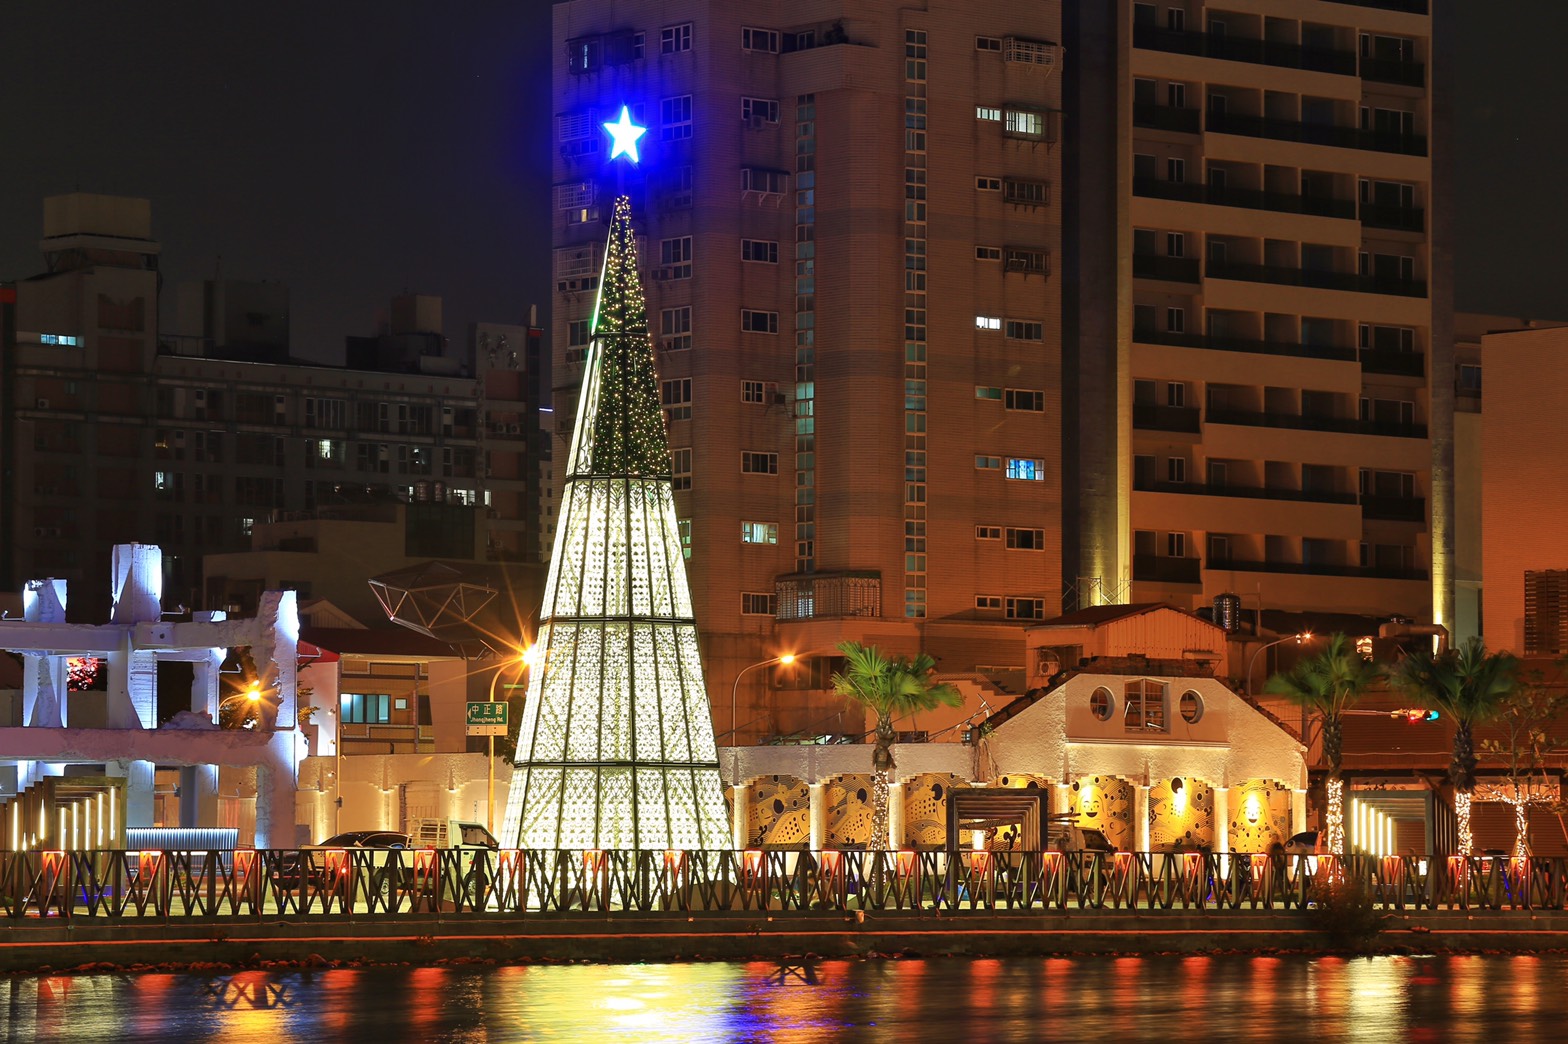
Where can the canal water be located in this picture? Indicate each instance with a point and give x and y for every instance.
(951, 1000)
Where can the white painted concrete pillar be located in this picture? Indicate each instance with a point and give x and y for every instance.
(1140, 819)
(1222, 819)
(738, 813)
(119, 708)
(43, 691)
(138, 793)
(819, 816)
(277, 785)
(1298, 811)
(199, 796)
(895, 816)
(204, 684)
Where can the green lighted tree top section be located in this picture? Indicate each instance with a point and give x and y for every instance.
(621, 420)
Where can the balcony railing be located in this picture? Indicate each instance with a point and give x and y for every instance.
(1400, 364)
(1170, 269)
(1165, 418)
(1298, 422)
(1238, 344)
(1237, 565)
(1251, 199)
(1393, 70)
(1208, 489)
(1393, 509)
(1316, 133)
(1401, 219)
(1166, 570)
(1166, 118)
(1288, 276)
(816, 596)
(1407, 6)
(1240, 49)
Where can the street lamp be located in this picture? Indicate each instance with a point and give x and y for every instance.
(785, 658)
(252, 695)
(1304, 636)
(524, 659)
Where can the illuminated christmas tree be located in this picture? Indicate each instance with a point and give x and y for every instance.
(617, 749)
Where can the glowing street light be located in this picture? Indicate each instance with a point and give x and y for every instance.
(251, 695)
(784, 658)
(522, 661)
(1304, 636)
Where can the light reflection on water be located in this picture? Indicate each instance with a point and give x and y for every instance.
(944, 999)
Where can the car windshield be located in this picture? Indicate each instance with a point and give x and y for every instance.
(366, 839)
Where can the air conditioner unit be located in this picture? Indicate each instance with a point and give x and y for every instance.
(42, 404)
(514, 429)
(39, 531)
(779, 398)
(755, 122)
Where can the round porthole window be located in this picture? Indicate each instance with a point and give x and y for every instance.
(1191, 707)
(1100, 704)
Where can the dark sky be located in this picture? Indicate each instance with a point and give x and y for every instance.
(355, 149)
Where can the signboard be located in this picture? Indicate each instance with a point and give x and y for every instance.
(487, 719)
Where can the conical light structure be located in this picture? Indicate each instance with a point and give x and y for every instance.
(617, 749)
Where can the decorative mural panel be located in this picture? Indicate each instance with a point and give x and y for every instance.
(1259, 815)
(925, 808)
(1021, 781)
(849, 810)
(1104, 803)
(778, 813)
(1181, 815)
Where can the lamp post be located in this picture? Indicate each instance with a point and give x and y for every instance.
(785, 658)
(523, 660)
(1304, 636)
(251, 695)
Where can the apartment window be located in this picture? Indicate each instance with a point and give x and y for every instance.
(765, 41)
(683, 527)
(988, 532)
(1024, 330)
(767, 182)
(1176, 543)
(1176, 469)
(1026, 193)
(988, 184)
(765, 251)
(675, 258)
(577, 333)
(1026, 469)
(1025, 608)
(1387, 338)
(985, 253)
(988, 603)
(753, 463)
(759, 532)
(1029, 124)
(676, 397)
(985, 463)
(1176, 319)
(759, 110)
(1176, 95)
(753, 391)
(675, 118)
(674, 39)
(988, 322)
(1175, 393)
(366, 708)
(680, 467)
(984, 112)
(1175, 244)
(1036, 261)
(988, 43)
(758, 322)
(1144, 701)
(756, 603)
(675, 328)
(1023, 399)
(984, 392)
(1469, 379)
(1025, 539)
(1028, 52)
(1175, 170)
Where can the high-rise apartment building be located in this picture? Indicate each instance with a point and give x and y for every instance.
(1258, 322)
(114, 432)
(851, 213)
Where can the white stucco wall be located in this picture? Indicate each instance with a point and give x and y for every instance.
(814, 763)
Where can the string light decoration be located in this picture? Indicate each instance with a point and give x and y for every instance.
(81, 672)
(1466, 840)
(616, 749)
(1335, 794)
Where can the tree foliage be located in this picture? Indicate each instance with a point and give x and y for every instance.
(1329, 684)
(1467, 684)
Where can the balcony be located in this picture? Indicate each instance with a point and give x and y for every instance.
(1401, 219)
(1399, 364)
(1406, 6)
(1163, 117)
(1316, 569)
(1393, 509)
(1237, 344)
(1250, 199)
(1204, 489)
(817, 596)
(1317, 134)
(1298, 422)
(1166, 570)
(1237, 49)
(1165, 418)
(1393, 70)
(1170, 269)
(1287, 276)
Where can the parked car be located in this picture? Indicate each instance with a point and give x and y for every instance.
(307, 865)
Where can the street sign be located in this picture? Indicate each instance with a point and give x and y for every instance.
(487, 719)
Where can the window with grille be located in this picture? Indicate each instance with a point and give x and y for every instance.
(1545, 612)
(1026, 193)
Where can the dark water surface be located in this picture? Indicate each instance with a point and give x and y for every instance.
(953, 1000)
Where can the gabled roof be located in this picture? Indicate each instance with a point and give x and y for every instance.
(1096, 615)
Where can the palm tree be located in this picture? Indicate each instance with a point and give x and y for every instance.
(1329, 683)
(1469, 685)
(891, 687)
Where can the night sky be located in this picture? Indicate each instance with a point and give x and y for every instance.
(355, 149)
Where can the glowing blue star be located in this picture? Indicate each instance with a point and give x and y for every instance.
(624, 134)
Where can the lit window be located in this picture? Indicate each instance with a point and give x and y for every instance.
(63, 340)
(1026, 469)
(983, 112)
(763, 40)
(988, 322)
(364, 708)
(675, 118)
(759, 532)
(754, 603)
(983, 392)
(1027, 123)
(1031, 401)
(683, 526)
(675, 38)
